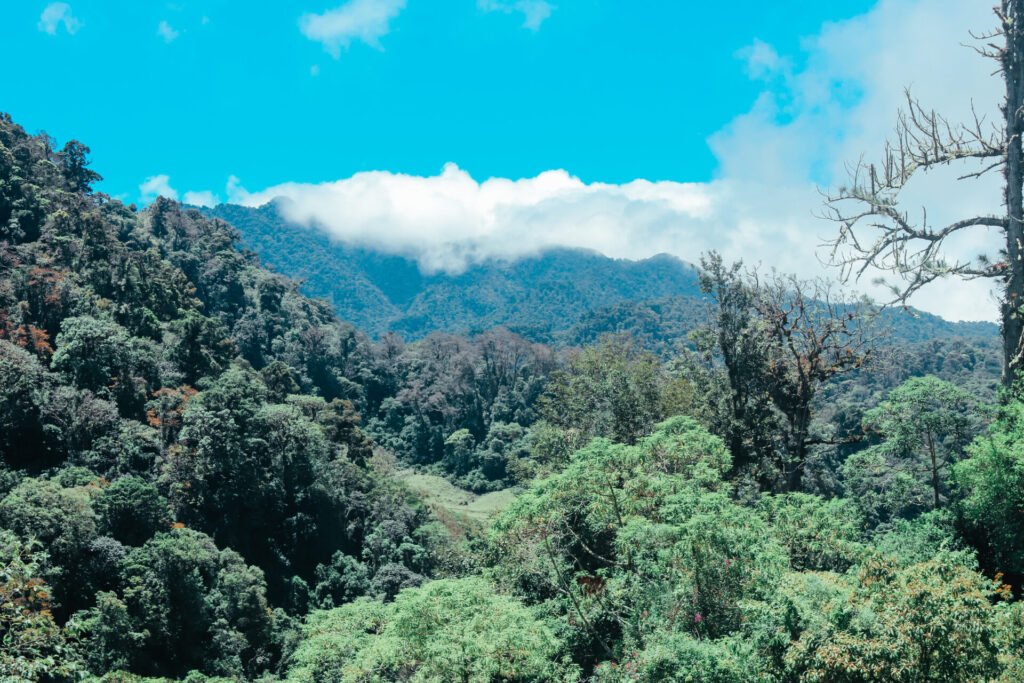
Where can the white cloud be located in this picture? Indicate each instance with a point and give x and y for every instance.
(450, 220)
(314, 70)
(165, 31)
(809, 124)
(763, 61)
(534, 11)
(160, 186)
(203, 198)
(365, 20)
(817, 112)
(57, 13)
(157, 186)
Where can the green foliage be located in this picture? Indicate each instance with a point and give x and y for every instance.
(614, 389)
(633, 540)
(485, 389)
(201, 346)
(819, 535)
(131, 510)
(570, 297)
(185, 605)
(448, 630)
(32, 646)
(682, 658)
(182, 432)
(92, 353)
(62, 520)
(932, 621)
(656, 573)
(124, 406)
(991, 480)
(540, 297)
(924, 425)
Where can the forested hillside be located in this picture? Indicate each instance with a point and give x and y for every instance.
(201, 470)
(565, 297)
(536, 296)
(181, 464)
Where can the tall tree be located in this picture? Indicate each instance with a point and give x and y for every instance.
(925, 425)
(776, 340)
(877, 232)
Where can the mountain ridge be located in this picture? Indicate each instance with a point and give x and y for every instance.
(561, 295)
(535, 295)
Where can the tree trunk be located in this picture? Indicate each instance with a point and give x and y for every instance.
(1013, 73)
(935, 469)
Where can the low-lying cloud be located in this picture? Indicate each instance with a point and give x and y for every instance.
(160, 186)
(450, 220)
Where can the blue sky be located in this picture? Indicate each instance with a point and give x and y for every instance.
(610, 91)
(458, 130)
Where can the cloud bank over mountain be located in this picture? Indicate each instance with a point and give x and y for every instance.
(450, 220)
(820, 110)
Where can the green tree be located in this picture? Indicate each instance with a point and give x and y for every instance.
(457, 630)
(925, 425)
(772, 344)
(932, 621)
(94, 354)
(24, 389)
(74, 167)
(614, 389)
(32, 646)
(991, 480)
(62, 520)
(131, 510)
(185, 605)
(630, 541)
(200, 347)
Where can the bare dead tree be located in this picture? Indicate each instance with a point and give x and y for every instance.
(876, 232)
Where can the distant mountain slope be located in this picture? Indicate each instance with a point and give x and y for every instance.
(563, 296)
(661, 323)
(538, 296)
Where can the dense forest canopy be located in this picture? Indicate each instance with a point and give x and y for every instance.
(206, 474)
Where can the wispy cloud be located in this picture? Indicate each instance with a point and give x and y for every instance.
(365, 20)
(160, 186)
(55, 14)
(202, 198)
(534, 11)
(157, 186)
(166, 31)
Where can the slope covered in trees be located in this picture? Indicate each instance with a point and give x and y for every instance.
(181, 460)
(196, 477)
(536, 296)
(565, 297)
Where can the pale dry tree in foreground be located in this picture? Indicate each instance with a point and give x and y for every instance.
(876, 232)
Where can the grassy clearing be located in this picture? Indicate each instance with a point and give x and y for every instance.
(459, 503)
